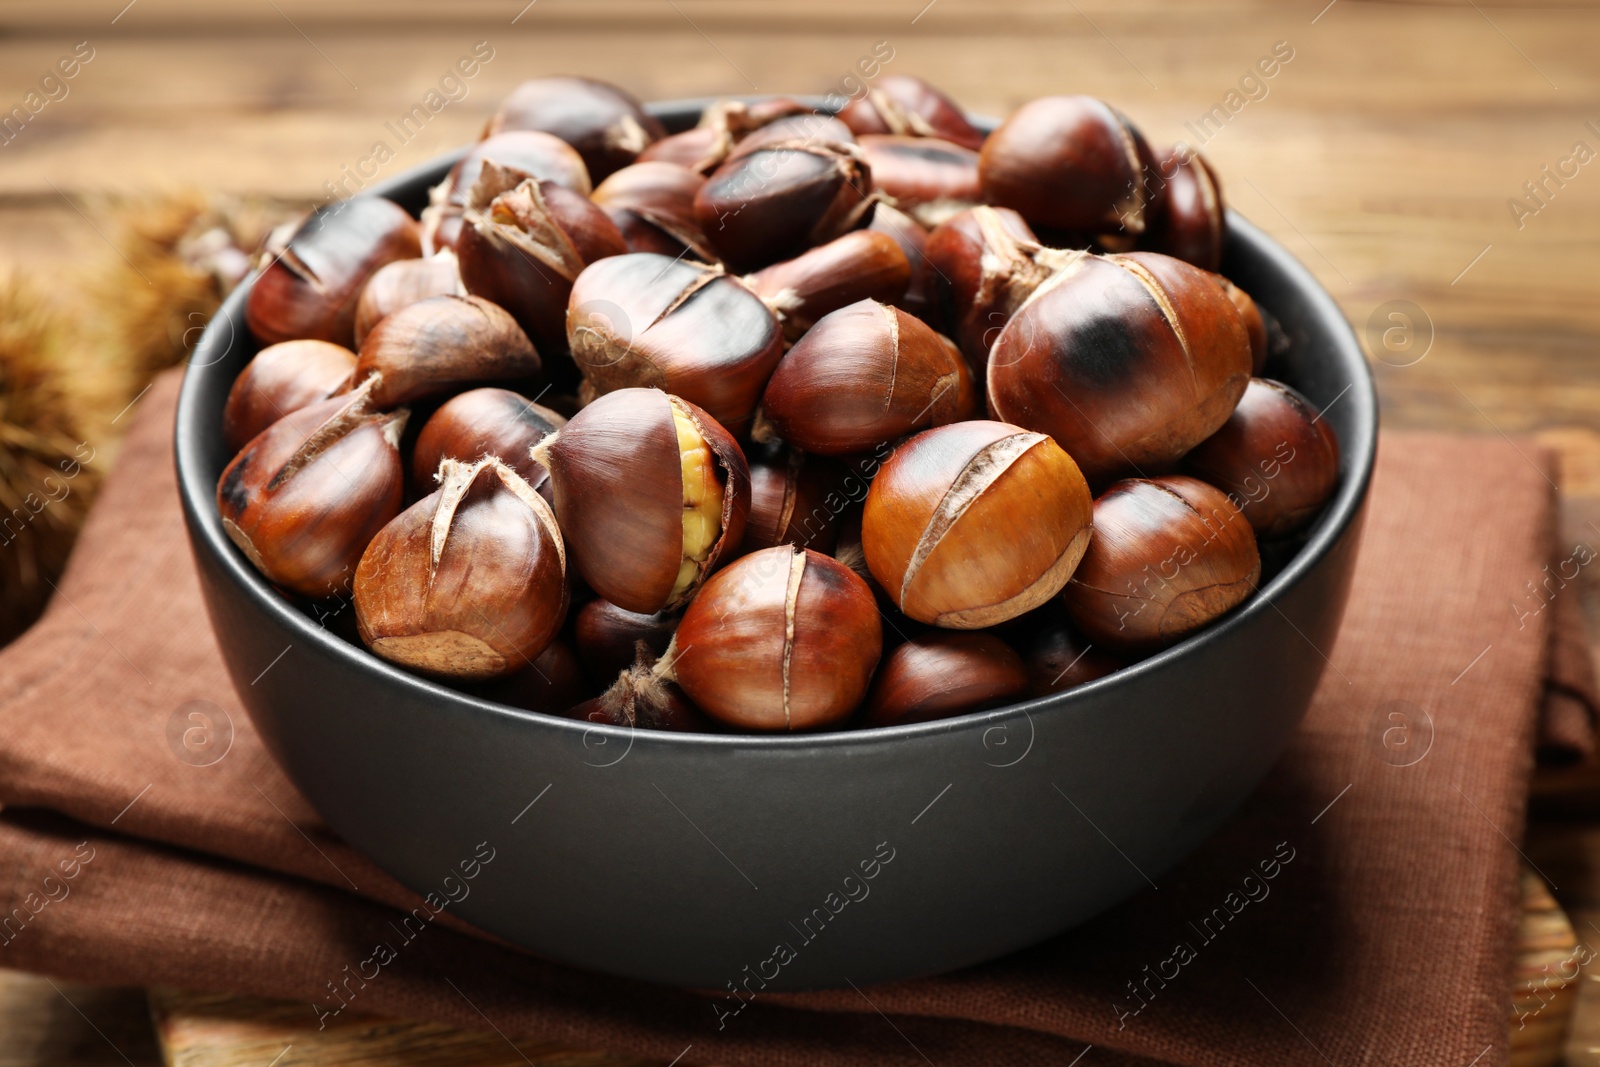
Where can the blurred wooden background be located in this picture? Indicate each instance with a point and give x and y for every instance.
(1383, 154)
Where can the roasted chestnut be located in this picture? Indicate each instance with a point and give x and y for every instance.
(523, 242)
(469, 582)
(605, 124)
(810, 128)
(1170, 555)
(860, 265)
(721, 126)
(652, 205)
(552, 684)
(643, 320)
(530, 153)
(779, 200)
(279, 380)
(439, 344)
(940, 674)
(863, 375)
(1058, 658)
(792, 503)
(1187, 220)
(638, 699)
(1070, 163)
(304, 497)
(485, 422)
(1127, 361)
(930, 180)
(1255, 325)
(971, 524)
(909, 234)
(402, 283)
(906, 105)
(1274, 457)
(608, 637)
(309, 288)
(781, 639)
(651, 493)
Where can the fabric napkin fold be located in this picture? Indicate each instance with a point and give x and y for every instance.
(1357, 909)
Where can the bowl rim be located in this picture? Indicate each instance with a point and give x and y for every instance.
(1358, 455)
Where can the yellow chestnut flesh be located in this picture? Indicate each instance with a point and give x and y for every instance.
(702, 500)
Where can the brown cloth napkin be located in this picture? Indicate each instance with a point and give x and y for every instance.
(1383, 934)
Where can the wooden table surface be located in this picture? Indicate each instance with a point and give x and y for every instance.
(1386, 154)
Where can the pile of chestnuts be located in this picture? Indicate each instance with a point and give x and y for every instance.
(789, 421)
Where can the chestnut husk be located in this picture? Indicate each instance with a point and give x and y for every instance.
(309, 288)
(403, 283)
(485, 422)
(908, 106)
(861, 265)
(528, 153)
(652, 206)
(280, 380)
(604, 123)
(1128, 361)
(942, 674)
(929, 179)
(470, 582)
(440, 344)
(974, 523)
(863, 375)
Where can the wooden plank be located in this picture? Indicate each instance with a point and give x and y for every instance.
(46, 1023)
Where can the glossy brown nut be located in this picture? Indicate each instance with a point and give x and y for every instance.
(1058, 659)
(921, 293)
(929, 179)
(704, 148)
(403, 283)
(303, 499)
(524, 242)
(792, 503)
(1188, 219)
(608, 637)
(1275, 457)
(280, 380)
(1127, 361)
(781, 639)
(469, 582)
(942, 674)
(866, 374)
(605, 124)
(1169, 556)
(309, 289)
(440, 344)
(485, 422)
(1070, 163)
(1255, 325)
(623, 500)
(861, 265)
(781, 199)
(906, 105)
(971, 524)
(530, 153)
(643, 320)
(652, 205)
(812, 128)
(552, 684)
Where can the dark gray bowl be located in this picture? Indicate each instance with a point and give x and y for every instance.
(873, 855)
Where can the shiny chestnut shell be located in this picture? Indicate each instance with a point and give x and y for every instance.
(605, 124)
(530, 153)
(861, 265)
(793, 502)
(439, 344)
(485, 422)
(652, 206)
(928, 178)
(1188, 219)
(907, 105)
(608, 637)
(280, 380)
(403, 283)
(944, 673)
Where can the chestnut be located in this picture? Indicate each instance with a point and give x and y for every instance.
(303, 498)
(1127, 361)
(941, 674)
(1274, 457)
(931, 180)
(470, 582)
(552, 684)
(642, 320)
(402, 283)
(309, 289)
(971, 524)
(638, 699)
(863, 375)
(1188, 220)
(485, 422)
(608, 637)
(906, 105)
(1070, 163)
(704, 148)
(1170, 555)
(438, 344)
(607, 125)
(279, 380)
(780, 199)
(523, 242)
(532, 154)
(652, 206)
(861, 265)
(912, 237)
(781, 639)
(651, 493)
(1255, 325)
(811, 128)
(1058, 658)
(790, 503)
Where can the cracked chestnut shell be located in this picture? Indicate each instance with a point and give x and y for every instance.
(945, 673)
(792, 502)
(643, 320)
(1188, 219)
(863, 375)
(402, 283)
(528, 153)
(722, 125)
(781, 639)
(439, 344)
(604, 123)
(310, 289)
(1170, 555)
(280, 380)
(485, 422)
(908, 106)
(304, 497)
(929, 179)
(1127, 361)
(861, 265)
(651, 493)
(470, 582)
(974, 523)
(652, 206)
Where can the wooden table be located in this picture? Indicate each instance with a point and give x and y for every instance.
(1384, 154)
